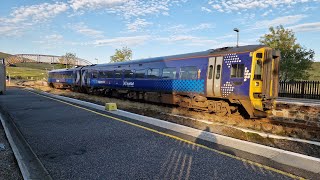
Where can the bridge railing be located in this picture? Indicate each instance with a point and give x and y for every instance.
(300, 89)
(21, 58)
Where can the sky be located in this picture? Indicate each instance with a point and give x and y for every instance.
(93, 29)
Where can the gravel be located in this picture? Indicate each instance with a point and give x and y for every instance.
(8, 165)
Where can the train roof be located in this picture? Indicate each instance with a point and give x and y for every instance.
(61, 70)
(210, 52)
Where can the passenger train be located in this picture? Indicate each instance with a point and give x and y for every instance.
(217, 80)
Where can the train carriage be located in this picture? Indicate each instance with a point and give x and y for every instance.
(217, 80)
(61, 78)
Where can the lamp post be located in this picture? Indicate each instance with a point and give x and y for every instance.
(237, 30)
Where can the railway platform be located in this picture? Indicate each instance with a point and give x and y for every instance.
(299, 101)
(68, 140)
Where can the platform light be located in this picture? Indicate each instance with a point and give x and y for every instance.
(237, 30)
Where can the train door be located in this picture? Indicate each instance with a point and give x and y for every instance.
(217, 76)
(83, 78)
(214, 77)
(210, 77)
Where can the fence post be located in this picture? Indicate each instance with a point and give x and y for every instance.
(2, 76)
(302, 89)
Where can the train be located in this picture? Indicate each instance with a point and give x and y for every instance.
(220, 81)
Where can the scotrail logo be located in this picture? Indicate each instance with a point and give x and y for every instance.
(128, 83)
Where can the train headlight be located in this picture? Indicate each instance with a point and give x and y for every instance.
(257, 83)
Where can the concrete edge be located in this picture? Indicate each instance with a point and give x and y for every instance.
(29, 164)
(291, 159)
(298, 103)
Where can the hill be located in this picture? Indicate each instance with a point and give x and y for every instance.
(31, 71)
(315, 72)
(4, 55)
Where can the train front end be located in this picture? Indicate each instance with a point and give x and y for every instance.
(264, 79)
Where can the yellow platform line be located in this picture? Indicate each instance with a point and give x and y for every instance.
(177, 138)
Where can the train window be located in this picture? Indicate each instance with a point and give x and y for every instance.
(258, 71)
(188, 72)
(218, 72)
(210, 72)
(140, 73)
(95, 74)
(153, 73)
(117, 74)
(237, 70)
(259, 55)
(169, 73)
(128, 74)
(105, 74)
(109, 74)
(102, 74)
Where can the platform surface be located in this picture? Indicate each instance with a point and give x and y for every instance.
(73, 143)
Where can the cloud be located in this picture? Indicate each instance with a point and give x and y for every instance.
(206, 9)
(183, 29)
(94, 4)
(285, 20)
(36, 13)
(188, 40)
(243, 5)
(25, 17)
(54, 37)
(121, 41)
(83, 29)
(306, 27)
(138, 24)
(127, 8)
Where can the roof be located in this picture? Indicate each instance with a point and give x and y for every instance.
(210, 52)
(61, 70)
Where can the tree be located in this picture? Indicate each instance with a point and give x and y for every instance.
(124, 54)
(68, 59)
(295, 59)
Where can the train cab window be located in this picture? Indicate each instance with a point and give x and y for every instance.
(129, 74)
(218, 73)
(188, 72)
(153, 73)
(237, 71)
(258, 71)
(118, 74)
(210, 72)
(140, 74)
(169, 73)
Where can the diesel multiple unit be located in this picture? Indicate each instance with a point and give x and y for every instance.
(217, 80)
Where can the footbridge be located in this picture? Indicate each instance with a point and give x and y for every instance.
(40, 58)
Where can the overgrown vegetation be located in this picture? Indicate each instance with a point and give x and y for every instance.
(315, 72)
(296, 61)
(124, 54)
(31, 71)
(69, 59)
(4, 55)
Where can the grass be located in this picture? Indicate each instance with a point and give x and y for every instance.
(315, 72)
(4, 55)
(31, 71)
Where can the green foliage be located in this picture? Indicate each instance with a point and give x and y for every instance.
(124, 54)
(314, 72)
(69, 59)
(4, 55)
(295, 61)
(34, 71)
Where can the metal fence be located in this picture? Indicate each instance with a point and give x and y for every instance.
(300, 89)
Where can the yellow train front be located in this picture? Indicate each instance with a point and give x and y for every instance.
(250, 77)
